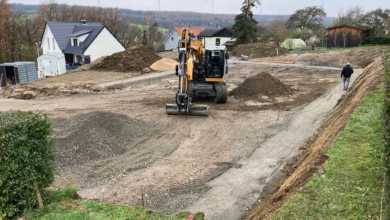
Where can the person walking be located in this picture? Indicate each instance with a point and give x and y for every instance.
(346, 73)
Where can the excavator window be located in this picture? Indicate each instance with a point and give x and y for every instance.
(214, 65)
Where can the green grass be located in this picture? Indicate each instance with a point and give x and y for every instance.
(97, 210)
(352, 186)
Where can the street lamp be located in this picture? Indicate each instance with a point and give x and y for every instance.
(38, 45)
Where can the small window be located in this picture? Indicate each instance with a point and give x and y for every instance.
(217, 41)
(75, 42)
(171, 38)
(48, 43)
(54, 44)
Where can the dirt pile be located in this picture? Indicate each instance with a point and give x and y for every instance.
(31, 91)
(263, 84)
(133, 59)
(95, 136)
(164, 64)
(258, 50)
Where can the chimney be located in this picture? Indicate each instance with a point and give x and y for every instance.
(83, 22)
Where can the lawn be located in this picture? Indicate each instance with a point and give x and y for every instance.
(351, 187)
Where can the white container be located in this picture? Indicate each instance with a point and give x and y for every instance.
(51, 64)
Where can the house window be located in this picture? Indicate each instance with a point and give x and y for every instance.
(75, 42)
(48, 43)
(54, 44)
(171, 38)
(217, 41)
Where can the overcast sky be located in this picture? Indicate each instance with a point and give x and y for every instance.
(272, 7)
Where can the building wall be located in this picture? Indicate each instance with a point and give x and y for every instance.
(49, 46)
(172, 44)
(105, 44)
(210, 41)
(345, 37)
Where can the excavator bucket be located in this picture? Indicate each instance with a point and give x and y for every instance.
(196, 110)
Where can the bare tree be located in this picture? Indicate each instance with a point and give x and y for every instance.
(351, 16)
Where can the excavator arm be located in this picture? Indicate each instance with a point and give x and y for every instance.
(191, 55)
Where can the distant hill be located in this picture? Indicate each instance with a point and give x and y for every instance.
(169, 19)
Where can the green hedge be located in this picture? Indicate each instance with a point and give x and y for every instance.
(26, 161)
(386, 142)
(376, 40)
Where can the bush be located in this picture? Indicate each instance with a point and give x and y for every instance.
(26, 161)
(386, 142)
(376, 40)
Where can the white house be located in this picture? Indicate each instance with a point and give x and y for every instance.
(79, 42)
(216, 37)
(171, 40)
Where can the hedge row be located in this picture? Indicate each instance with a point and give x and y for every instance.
(376, 40)
(386, 134)
(26, 161)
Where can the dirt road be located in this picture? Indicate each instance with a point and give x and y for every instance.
(232, 193)
(112, 142)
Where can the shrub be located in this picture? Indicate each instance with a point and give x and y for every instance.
(386, 137)
(376, 40)
(26, 161)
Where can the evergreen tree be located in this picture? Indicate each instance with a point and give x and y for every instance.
(245, 26)
(144, 39)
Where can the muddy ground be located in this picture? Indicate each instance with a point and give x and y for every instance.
(112, 142)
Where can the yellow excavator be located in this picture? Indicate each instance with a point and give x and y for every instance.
(201, 74)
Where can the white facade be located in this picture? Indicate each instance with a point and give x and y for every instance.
(210, 41)
(172, 41)
(79, 39)
(105, 44)
(48, 43)
(51, 64)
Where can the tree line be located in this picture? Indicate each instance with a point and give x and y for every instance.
(20, 32)
(305, 23)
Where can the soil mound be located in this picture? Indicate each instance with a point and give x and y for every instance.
(95, 136)
(263, 84)
(87, 67)
(31, 91)
(133, 59)
(258, 50)
(164, 64)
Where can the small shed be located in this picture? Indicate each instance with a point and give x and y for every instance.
(51, 64)
(229, 45)
(346, 35)
(18, 72)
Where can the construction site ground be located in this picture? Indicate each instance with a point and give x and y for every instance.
(112, 142)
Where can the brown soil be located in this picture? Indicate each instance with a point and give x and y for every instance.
(263, 84)
(111, 143)
(258, 50)
(358, 57)
(312, 162)
(133, 59)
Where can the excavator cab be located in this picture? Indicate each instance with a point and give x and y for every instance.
(215, 62)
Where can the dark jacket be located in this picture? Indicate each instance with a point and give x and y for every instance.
(347, 71)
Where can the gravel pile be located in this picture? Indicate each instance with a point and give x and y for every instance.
(95, 136)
